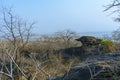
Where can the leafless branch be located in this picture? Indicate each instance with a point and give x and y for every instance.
(115, 3)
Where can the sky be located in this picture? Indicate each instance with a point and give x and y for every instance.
(57, 15)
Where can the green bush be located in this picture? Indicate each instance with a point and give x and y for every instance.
(107, 42)
(109, 46)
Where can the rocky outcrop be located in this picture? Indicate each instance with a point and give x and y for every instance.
(89, 40)
(95, 67)
(82, 52)
(104, 67)
(90, 45)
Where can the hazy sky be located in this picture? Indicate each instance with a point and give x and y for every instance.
(55, 15)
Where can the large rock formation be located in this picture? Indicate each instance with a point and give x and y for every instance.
(90, 45)
(81, 52)
(89, 40)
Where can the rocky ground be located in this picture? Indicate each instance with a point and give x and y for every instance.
(96, 64)
(97, 67)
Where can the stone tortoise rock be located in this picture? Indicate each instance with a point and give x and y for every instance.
(89, 40)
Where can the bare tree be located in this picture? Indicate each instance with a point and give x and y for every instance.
(15, 33)
(15, 36)
(115, 5)
(15, 30)
(67, 36)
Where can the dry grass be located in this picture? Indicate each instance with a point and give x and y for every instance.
(46, 56)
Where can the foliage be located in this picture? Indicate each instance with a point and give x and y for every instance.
(107, 42)
(108, 45)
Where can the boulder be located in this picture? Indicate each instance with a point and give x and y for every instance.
(89, 40)
(100, 70)
(79, 72)
(95, 67)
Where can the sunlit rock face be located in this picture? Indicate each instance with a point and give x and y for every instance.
(89, 40)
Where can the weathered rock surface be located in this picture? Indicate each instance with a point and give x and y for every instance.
(95, 66)
(103, 67)
(82, 51)
(91, 46)
(89, 40)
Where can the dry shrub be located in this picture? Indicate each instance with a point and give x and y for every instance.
(109, 46)
(109, 49)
